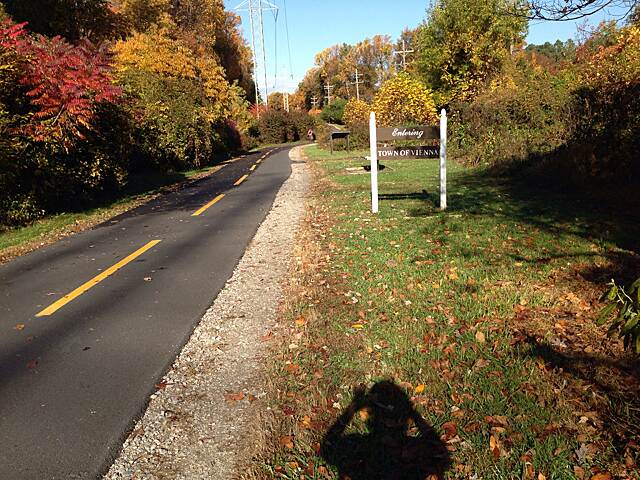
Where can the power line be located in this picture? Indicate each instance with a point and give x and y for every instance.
(286, 25)
(275, 48)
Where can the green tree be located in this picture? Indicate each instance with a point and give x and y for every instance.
(465, 42)
(334, 112)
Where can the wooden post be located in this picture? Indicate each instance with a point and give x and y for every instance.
(373, 146)
(443, 159)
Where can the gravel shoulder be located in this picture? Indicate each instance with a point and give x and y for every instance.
(198, 423)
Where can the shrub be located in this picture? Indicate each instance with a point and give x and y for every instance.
(404, 100)
(334, 112)
(624, 306)
(356, 112)
(523, 113)
(278, 126)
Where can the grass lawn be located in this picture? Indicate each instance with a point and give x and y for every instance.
(140, 188)
(418, 342)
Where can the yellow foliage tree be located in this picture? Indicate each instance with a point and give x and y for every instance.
(158, 53)
(356, 112)
(404, 99)
(616, 66)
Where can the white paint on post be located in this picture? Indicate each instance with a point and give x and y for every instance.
(373, 145)
(443, 159)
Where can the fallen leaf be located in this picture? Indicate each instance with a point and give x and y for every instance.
(364, 414)
(292, 368)
(233, 397)
(309, 470)
(450, 430)
(494, 446)
(19, 326)
(419, 389)
(287, 441)
(496, 420)
(601, 476)
(480, 337)
(301, 321)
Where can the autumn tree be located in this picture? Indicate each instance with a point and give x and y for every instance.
(71, 19)
(276, 101)
(404, 100)
(337, 65)
(464, 42)
(141, 15)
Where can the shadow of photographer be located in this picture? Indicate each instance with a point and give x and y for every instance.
(399, 444)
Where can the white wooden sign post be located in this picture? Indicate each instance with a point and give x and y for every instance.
(373, 145)
(443, 159)
(408, 133)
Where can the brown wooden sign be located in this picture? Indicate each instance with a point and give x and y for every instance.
(398, 153)
(407, 133)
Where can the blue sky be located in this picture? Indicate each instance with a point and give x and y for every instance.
(315, 25)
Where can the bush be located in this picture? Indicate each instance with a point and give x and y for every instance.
(524, 113)
(624, 305)
(334, 112)
(579, 123)
(278, 126)
(356, 112)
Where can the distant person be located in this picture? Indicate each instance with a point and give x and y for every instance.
(311, 135)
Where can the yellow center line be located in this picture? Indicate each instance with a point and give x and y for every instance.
(204, 208)
(253, 167)
(54, 307)
(259, 160)
(240, 180)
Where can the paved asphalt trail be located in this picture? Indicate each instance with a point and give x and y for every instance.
(73, 383)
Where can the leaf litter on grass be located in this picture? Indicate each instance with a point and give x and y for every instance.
(477, 317)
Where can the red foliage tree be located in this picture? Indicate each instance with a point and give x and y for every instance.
(66, 83)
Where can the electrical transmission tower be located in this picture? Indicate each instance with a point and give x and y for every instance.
(256, 23)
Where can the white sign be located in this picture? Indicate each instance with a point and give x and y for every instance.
(402, 133)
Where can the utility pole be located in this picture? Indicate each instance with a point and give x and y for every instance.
(404, 52)
(357, 83)
(256, 24)
(314, 102)
(285, 101)
(328, 88)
